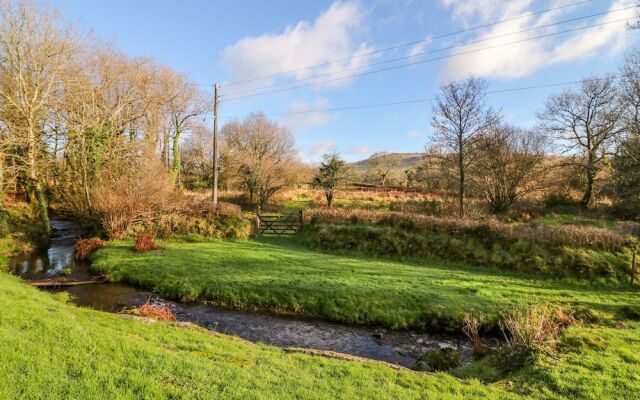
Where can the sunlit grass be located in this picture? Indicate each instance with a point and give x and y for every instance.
(52, 350)
(280, 276)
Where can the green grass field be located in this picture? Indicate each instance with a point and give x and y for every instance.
(573, 219)
(53, 350)
(280, 276)
(50, 349)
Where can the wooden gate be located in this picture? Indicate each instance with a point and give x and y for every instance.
(279, 224)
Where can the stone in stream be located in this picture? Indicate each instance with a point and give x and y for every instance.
(438, 360)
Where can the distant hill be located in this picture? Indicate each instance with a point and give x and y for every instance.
(403, 160)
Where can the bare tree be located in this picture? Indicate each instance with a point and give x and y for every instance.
(183, 104)
(410, 177)
(382, 165)
(261, 155)
(460, 116)
(35, 53)
(586, 121)
(626, 163)
(510, 163)
(197, 157)
(630, 91)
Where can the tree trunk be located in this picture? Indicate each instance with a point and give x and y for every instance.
(591, 176)
(165, 148)
(85, 177)
(36, 191)
(175, 167)
(461, 185)
(1, 179)
(329, 197)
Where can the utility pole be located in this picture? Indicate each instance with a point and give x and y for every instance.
(215, 144)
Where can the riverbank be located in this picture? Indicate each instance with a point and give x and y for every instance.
(50, 348)
(53, 350)
(283, 277)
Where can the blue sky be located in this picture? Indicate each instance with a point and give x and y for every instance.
(228, 41)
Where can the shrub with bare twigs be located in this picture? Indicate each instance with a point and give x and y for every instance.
(145, 242)
(84, 247)
(132, 190)
(471, 328)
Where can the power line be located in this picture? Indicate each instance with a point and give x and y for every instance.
(432, 51)
(428, 60)
(426, 100)
(407, 44)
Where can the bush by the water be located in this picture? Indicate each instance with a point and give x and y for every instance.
(476, 248)
(84, 247)
(159, 312)
(527, 330)
(145, 242)
(438, 360)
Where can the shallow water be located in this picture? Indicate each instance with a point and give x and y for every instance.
(397, 347)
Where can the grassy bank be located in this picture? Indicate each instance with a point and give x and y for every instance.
(52, 350)
(478, 249)
(282, 277)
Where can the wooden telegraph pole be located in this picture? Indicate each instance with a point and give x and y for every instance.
(216, 101)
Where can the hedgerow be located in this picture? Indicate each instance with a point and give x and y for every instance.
(473, 247)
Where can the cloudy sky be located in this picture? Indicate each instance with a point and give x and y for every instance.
(365, 53)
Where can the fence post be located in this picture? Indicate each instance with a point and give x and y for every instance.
(633, 264)
(301, 215)
(256, 226)
(256, 222)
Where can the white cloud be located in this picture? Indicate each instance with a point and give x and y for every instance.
(523, 59)
(414, 134)
(330, 37)
(483, 11)
(305, 120)
(419, 48)
(359, 150)
(316, 150)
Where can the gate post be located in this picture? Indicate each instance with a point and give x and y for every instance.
(256, 222)
(633, 264)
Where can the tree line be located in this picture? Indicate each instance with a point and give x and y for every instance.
(88, 127)
(587, 138)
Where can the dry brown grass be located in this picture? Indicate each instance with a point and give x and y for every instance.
(200, 204)
(84, 247)
(383, 195)
(532, 329)
(145, 242)
(471, 328)
(566, 235)
(162, 313)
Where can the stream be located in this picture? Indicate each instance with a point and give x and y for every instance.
(396, 347)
